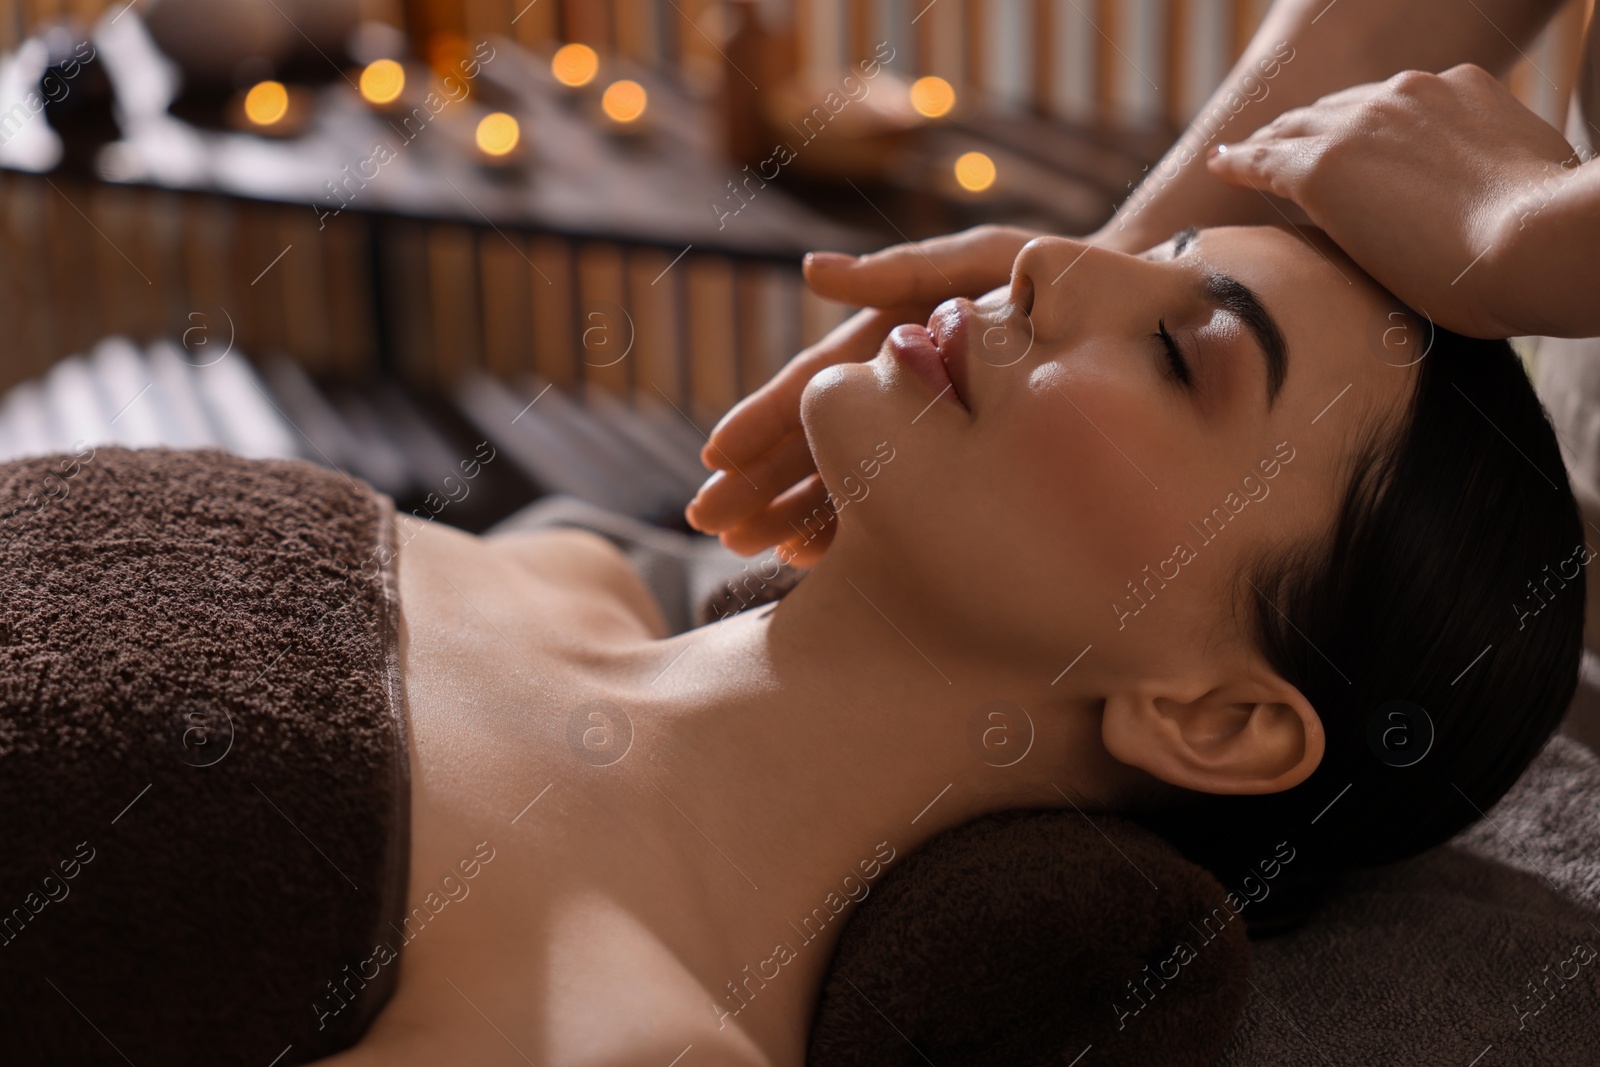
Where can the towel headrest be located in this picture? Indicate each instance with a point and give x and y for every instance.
(1037, 937)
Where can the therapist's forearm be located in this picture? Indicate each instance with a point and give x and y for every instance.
(1330, 46)
(1542, 266)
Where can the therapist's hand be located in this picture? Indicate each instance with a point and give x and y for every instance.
(1425, 180)
(766, 484)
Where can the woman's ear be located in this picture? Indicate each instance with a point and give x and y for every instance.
(1243, 731)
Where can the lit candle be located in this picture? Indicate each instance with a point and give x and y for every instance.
(382, 81)
(575, 65)
(932, 97)
(266, 103)
(624, 101)
(975, 172)
(498, 135)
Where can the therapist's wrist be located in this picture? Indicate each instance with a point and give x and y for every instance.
(1540, 260)
(1120, 236)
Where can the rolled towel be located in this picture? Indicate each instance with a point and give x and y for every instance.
(1037, 937)
(204, 793)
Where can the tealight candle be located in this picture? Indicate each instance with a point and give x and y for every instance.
(266, 103)
(575, 65)
(975, 172)
(498, 134)
(382, 81)
(624, 101)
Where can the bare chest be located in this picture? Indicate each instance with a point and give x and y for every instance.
(587, 908)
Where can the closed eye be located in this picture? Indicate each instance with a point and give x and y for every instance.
(1177, 363)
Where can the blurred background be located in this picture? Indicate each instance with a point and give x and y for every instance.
(376, 234)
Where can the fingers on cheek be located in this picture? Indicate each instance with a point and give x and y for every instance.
(733, 439)
(736, 497)
(800, 513)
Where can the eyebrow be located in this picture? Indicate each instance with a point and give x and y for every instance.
(1231, 295)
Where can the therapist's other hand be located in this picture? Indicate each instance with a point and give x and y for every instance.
(765, 487)
(1426, 180)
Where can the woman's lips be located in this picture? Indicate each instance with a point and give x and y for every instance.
(948, 327)
(916, 348)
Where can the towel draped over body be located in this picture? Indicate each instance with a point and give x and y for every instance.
(204, 792)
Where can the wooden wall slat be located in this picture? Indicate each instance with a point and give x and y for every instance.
(768, 320)
(1075, 59)
(1106, 25)
(927, 59)
(552, 290)
(975, 39)
(587, 22)
(351, 297)
(1009, 63)
(28, 249)
(696, 52)
(304, 280)
(638, 30)
(817, 317)
(123, 286)
(507, 326)
(483, 18)
(863, 30)
(605, 324)
(71, 263)
(453, 286)
(713, 370)
(164, 214)
(263, 314)
(409, 313)
(653, 301)
(208, 233)
(13, 311)
(535, 27)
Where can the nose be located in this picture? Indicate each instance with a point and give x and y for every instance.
(1066, 286)
(1037, 274)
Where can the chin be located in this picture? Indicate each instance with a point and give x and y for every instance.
(857, 421)
(845, 410)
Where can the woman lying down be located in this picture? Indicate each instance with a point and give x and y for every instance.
(285, 777)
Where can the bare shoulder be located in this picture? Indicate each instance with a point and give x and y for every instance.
(588, 562)
(576, 564)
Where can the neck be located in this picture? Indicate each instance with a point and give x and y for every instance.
(815, 742)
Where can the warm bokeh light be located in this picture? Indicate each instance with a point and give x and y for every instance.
(624, 101)
(575, 64)
(498, 133)
(975, 172)
(382, 81)
(932, 96)
(266, 103)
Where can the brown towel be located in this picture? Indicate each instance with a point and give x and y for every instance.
(1035, 937)
(1483, 950)
(203, 792)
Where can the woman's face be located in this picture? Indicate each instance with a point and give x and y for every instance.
(1062, 484)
